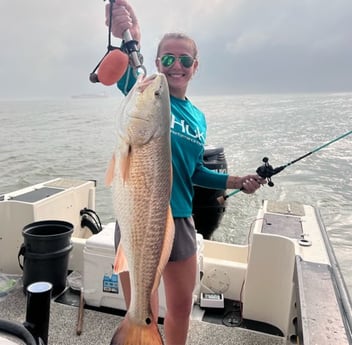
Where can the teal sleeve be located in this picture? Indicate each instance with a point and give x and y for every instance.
(208, 178)
(127, 81)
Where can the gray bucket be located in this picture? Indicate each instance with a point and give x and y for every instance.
(45, 252)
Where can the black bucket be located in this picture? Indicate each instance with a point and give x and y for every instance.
(45, 252)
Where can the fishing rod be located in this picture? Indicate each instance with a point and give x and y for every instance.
(267, 171)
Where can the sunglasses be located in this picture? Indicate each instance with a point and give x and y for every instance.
(168, 60)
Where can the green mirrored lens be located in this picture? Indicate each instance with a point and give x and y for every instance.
(168, 60)
(187, 61)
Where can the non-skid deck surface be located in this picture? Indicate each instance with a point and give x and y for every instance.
(98, 327)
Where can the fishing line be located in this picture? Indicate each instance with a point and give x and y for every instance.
(267, 171)
(93, 77)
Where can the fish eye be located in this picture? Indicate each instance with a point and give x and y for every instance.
(157, 93)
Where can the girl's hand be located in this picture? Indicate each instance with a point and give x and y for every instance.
(123, 18)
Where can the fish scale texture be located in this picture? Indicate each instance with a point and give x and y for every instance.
(141, 203)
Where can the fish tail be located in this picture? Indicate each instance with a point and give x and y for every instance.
(129, 333)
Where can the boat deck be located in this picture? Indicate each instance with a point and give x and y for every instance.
(98, 327)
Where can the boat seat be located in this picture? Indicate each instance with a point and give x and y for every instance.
(226, 266)
(266, 298)
(319, 311)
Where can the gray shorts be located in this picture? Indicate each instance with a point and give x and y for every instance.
(185, 243)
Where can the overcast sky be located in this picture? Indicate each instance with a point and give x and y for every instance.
(48, 48)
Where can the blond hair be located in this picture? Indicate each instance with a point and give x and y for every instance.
(178, 36)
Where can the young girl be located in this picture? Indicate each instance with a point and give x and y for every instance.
(177, 59)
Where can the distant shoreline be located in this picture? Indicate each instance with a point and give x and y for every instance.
(90, 95)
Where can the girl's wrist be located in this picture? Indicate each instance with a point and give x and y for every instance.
(234, 182)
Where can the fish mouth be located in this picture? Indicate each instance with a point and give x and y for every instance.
(144, 82)
(140, 118)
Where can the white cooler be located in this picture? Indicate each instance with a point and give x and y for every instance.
(102, 287)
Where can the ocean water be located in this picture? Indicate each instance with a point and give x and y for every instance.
(74, 138)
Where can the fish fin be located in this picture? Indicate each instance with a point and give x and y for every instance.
(125, 164)
(129, 333)
(109, 175)
(120, 263)
(166, 250)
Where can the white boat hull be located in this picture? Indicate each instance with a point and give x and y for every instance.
(285, 279)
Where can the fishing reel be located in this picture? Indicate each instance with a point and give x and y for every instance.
(267, 171)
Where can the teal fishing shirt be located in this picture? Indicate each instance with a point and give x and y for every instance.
(188, 137)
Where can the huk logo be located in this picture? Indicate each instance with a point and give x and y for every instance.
(182, 127)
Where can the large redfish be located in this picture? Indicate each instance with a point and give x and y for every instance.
(141, 174)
